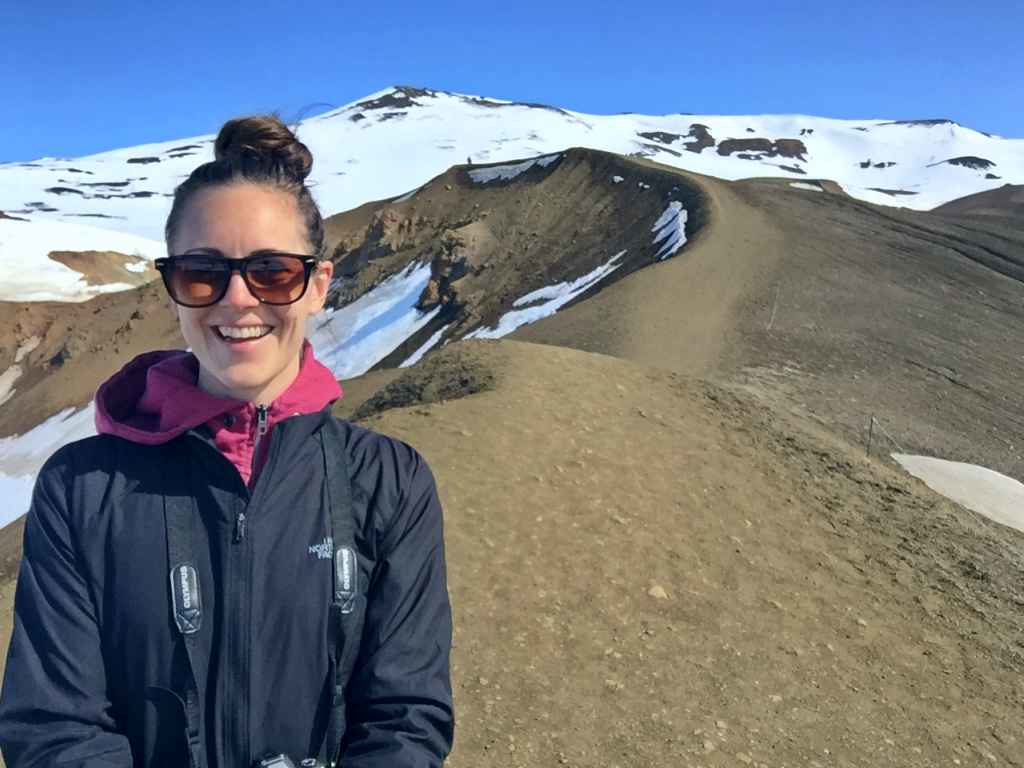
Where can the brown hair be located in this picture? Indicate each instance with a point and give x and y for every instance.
(259, 149)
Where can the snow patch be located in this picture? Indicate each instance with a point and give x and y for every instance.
(981, 490)
(427, 346)
(506, 172)
(28, 346)
(13, 373)
(617, 179)
(552, 296)
(22, 456)
(7, 379)
(670, 230)
(352, 339)
(802, 185)
(642, 185)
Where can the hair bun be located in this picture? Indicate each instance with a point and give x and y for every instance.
(262, 139)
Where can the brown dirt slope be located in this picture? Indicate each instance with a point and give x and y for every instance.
(817, 302)
(80, 345)
(651, 570)
(838, 309)
(1005, 201)
(491, 243)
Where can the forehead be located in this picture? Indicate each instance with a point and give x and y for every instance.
(239, 219)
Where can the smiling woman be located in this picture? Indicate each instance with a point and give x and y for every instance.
(314, 547)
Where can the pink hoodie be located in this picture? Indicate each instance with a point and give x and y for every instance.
(155, 398)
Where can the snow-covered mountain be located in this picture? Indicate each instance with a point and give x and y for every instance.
(392, 141)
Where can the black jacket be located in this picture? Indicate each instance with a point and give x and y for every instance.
(96, 667)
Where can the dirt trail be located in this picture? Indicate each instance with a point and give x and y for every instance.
(680, 313)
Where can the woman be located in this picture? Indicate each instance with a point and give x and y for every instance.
(226, 572)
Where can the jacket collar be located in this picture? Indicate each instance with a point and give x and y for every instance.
(155, 397)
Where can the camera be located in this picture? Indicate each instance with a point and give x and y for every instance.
(283, 761)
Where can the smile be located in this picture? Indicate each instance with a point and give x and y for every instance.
(242, 332)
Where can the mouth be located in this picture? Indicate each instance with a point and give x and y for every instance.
(242, 334)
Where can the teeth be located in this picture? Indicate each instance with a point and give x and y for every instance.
(243, 332)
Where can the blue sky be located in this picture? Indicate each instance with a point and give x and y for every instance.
(85, 77)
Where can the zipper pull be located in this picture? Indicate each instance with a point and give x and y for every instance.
(261, 420)
(239, 527)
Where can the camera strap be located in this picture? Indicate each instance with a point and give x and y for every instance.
(347, 605)
(179, 518)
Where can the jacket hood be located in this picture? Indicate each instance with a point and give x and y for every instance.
(155, 397)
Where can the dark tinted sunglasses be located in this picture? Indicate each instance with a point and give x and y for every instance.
(200, 280)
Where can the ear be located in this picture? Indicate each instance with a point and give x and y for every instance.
(319, 283)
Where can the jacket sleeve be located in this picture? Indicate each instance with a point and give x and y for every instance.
(400, 697)
(54, 709)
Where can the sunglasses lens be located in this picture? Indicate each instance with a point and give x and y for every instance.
(197, 281)
(276, 279)
(200, 281)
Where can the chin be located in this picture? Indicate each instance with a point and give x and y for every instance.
(244, 378)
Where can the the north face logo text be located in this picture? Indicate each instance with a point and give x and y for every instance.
(323, 550)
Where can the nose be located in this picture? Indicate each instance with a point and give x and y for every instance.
(238, 293)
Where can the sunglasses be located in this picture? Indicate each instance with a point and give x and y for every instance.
(200, 280)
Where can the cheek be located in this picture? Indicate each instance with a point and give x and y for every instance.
(190, 324)
(293, 321)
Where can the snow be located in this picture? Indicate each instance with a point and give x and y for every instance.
(552, 296)
(28, 346)
(979, 489)
(352, 339)
(22, 456)
(136, 266)
(13, 373)
(670, 229)
(802, 185)
(7, 379)
(27, 273)
(507, 172)
(642, 185)
(617, 179)
(427, 346)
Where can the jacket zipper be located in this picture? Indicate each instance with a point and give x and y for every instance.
(261, 430)
(239, 627)
(235, 690)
